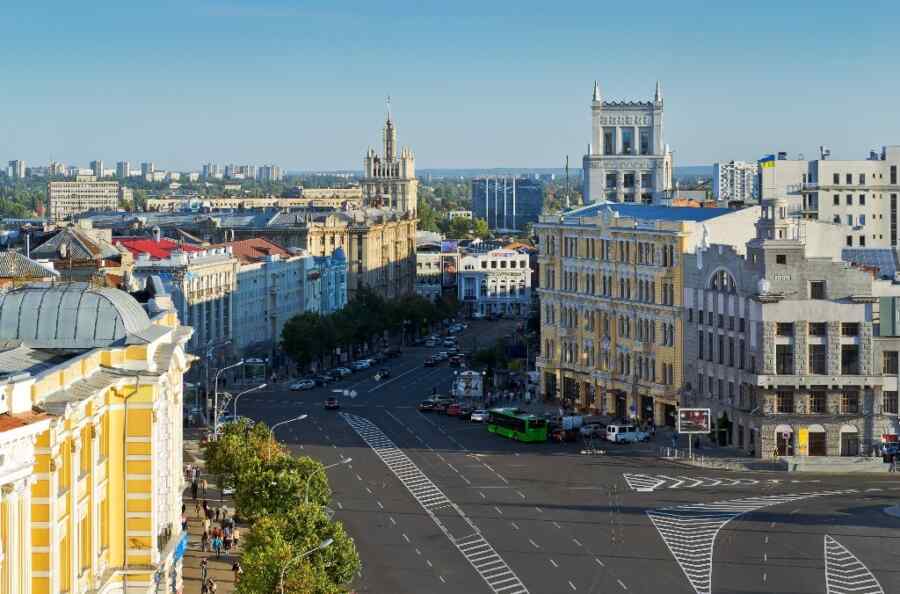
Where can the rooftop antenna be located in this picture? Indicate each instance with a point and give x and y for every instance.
(388, 102)
(567, 182)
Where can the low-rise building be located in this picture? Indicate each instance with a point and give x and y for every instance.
(90, 441)
(17, 269)
(428, 271)
(495, 282)
(81, 253)
(610, 296)
(794, 350)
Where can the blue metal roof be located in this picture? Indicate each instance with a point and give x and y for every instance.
(649, 212)
(882, 258)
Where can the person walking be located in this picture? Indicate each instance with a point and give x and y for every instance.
(237, 570)
(197, 507)
(204, 570)
(893, 467)
(227, 539)
(206, 508)
(211, 586)
(236, 536)
(217, 545)
(204, 541)
(195, 488)
(204, 484)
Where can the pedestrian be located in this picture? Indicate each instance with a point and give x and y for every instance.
(184, 522)
(204, 542)
(227, 539)
(211, 586)
(206, 508)
(203, 486)
(237, 570)
(217, 514)
(893, 467)
(236, 536)
(197, 508)
(217, 545)
(206, 524)
(195, 488)
(204, 570)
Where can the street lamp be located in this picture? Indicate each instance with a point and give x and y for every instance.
(285, 422)
(259, 387)
(216, 394)
(323, 469)
(322, 545)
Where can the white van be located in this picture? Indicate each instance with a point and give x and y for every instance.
(625, 434)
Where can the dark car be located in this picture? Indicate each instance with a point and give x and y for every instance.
(426, 406)
(440, 406)
(384, 372)
(456, 361)
(323, 379)
(465, 412)
(392, 352)
(429, 362)
(331, 403)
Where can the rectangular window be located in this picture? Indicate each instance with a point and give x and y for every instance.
(862, 179)
(784, 401)
(780, 259)
(784, 329)
(851, 329)
(709, 344)
(836, 178)
(818, 329)
(818, 359)
(741, 324)
(721, 321)
(700, 342)
(837, 199)
(628, 180)
(647, 182)
(889, 402)
(817, 289)
(731, 352)
(849, 241)
(741, 354)
(850, 359)
(609, 142)
(646, 146)
(627, 141)
(612, 180)
(849, 179)
(889, 363)
(784, 359)
(893, 175)
(862, 199)
(893, 219)
(849, 220)
(721, 349)
(849, 199)
(850, 402)
(817, 400)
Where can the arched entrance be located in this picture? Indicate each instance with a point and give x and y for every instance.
(784, 440)
(849, 441)
(723, 429)
(818, 442)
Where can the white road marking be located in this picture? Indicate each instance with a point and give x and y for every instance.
(359, 478)
(443, 581)
(534, 544)
(539, 510)
(571, 585)
(514, 525)
(646, 483)
(599, 562)
(689, 531)
(379, 504)
(406, 538)
(482, 495)
(340, 506)
(845, 573)
(498, 510)
(428, 563)
(577, 542)
(453, 468)
(393, 521)
(621, 583)
(521, 494)
(480, 554)
(392, 380)
(468, 482)
(554, 563)
(557, 524)
(418, 552)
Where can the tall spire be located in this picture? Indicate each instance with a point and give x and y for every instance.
(658, 97)
(388, 103)
(597, 91)
(390, 135)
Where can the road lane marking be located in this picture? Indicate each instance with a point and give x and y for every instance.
(482, 495)
(521, 494)
(599, 562)
(571, 585)
(577, 542)
(393, 521)
(534, 544)
(689, 531)
(514, 525)
(554, 563)
(845, 573)
(468, 482)
(476, 549)
(379, 504)
(443, 581)
(497, 509)
(406, 538)
(539, 510)
(340, 505)
(392, 380)
(428, 562)
(557, 524)
(621, 583)
(418, 552)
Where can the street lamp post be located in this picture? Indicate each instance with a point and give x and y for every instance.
(285, 422)
(322, 545)
(216, 394)
(259, 387)
(323, 469)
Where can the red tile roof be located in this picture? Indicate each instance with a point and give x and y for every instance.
(158, 250)
(255, 249)
(10, 421)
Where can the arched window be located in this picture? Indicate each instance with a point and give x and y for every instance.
(722, 281)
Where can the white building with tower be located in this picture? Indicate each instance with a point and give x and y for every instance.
(389, 179)
(627, 160)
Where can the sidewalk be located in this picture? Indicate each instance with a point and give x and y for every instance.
(219, 570)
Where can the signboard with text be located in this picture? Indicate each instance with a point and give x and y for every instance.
(694, 420)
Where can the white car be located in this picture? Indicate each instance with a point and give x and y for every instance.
(303, 385)
(625, 434)
(361, 364)
(479, 416)
(441, 356)
(593, 430)
(342, 371)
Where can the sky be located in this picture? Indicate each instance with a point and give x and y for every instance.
(473, 84)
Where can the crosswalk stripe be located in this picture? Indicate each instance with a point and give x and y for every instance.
(845, 574)
(647, 482)
(480, 554)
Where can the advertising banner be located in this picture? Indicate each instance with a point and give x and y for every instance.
(448, 271)
(694, 420)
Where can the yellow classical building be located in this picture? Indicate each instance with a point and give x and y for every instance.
(611, 282)
(90, 441)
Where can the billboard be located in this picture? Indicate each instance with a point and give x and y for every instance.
(694, 420)
(449, 246)
(448, 270)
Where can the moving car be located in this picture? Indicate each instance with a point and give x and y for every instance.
(479, 415)
(593, 430)
(456, 361)
(304, 384)
(625, 434)
(323, 379)
(429, 361)
(342, 371)
(465, 412)
(331, 403)
(440, 406)
(430, 343)
(449, 342)
(384, 372)
(453, 410)
(426, 405)
(441, 356)
(361, 364)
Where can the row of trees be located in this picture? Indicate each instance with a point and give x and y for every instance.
(283, 497)
(312, 337)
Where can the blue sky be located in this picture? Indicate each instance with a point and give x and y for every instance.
(474, 84)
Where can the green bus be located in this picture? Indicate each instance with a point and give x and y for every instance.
(518, 425)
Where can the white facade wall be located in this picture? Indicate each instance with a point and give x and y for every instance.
(736, 180)
(496, 282)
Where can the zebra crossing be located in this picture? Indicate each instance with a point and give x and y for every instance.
(480, 554)
(845, 574)
(689, 531)
(646, 483)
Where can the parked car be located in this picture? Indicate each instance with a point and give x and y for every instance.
(323, 379)
(593, 430)
(449, 342)
(477, 316)
(440, 406)
(453, 410)
(304, 384)
(429, 361)
(430, 343)
(361, 364)
(331, 403)
(426, 405)
(479, 415)
(342, 371)
(625, 434)
(442, 356)
(559, 434)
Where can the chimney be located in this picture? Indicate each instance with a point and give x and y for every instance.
(157, 234)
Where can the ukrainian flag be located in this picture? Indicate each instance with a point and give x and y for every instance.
(767, 161)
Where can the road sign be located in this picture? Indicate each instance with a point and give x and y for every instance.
(694, 420)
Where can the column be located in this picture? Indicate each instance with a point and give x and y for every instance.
(636, 149)
(13, 553)
(620, 185)
(637, 187)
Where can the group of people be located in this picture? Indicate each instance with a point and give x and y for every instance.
(219, 539)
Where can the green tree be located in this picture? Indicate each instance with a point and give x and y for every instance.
(270, 487)
(460, 228)
(428, 218)
(238, 450)
(480, 229)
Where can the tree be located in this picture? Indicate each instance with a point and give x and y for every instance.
(428, 219)
(270, 487)
(276, 544)
(460, 228)
(301, 338)
(237, 451)
(481, 229)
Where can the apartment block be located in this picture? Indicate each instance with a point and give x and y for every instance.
(736, 181)
(69, 198)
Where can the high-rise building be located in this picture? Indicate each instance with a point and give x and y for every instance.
(269, 173)
(736, 181)
(97, 169)
(16, 169)
(862, 195)
(123, 169)
(210, 171)
(56, 169)
(68, 198)
(389, 179)
(507, 202)
(147, 168)
(627, 160)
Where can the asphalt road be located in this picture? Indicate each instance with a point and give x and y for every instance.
(436, 504)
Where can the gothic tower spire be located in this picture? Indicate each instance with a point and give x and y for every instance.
(596, 91)
(658, 96)
(390, 135)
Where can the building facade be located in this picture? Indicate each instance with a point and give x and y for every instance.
(736, 181)
(507, 203)
(428, 271)
(16, 169)
(862, 194)
(69, 198)
(389, 179)
(793, 349)
(496, 282)
(610, 294)
(90, 442)
(627, 160)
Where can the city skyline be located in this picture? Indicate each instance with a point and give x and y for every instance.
(471, 87)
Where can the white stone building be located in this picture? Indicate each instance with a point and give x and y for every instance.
(497, 282)
(736, 181)
(68, 198)
(627, 160)
(389, 179)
